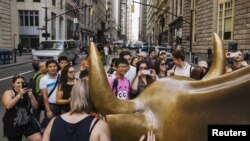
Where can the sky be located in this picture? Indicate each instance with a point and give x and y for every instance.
(135, 21)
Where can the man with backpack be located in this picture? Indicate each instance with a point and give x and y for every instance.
(119, 84)
(34, 84)
(181, 67)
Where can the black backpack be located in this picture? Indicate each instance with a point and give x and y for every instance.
(32, 84)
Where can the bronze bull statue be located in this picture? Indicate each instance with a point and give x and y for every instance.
(175, 108)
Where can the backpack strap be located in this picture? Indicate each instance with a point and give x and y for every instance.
(174, 68)
(37, 75)
(115, 85)
(190, 69)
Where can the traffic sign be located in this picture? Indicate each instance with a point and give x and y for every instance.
(40, 28)
(45, 35)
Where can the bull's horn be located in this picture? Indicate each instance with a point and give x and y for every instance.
(100, 92)
(218, 65)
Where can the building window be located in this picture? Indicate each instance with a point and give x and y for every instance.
(54, 2)
(61, 4)
(194, 26)
(28, 18)
(225, 19)
(36, 0)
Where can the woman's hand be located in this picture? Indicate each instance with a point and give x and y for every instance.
(139, 73)
(22, 91)
(30, 94)
(153, 74)
(49, 114)
(150, 136)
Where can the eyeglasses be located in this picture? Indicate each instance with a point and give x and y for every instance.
(163, 64)
(123, 67)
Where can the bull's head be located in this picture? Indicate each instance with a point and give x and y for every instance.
(175, 108)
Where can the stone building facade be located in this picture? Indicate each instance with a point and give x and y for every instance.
(230, 19)
(182, 21)
(143, 22)
(6, 38)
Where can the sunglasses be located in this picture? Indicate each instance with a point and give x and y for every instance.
(163, 64)
(18, 76)
(142, 68)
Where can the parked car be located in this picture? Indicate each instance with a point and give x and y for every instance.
(53, 49)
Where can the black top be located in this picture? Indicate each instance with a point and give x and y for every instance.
(16, 119)
(63, 131)
(66, 95)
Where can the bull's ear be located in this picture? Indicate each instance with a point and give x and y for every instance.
(218, 65)
(103, 99)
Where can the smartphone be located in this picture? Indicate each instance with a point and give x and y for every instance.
(232, 54)
(24, 85)
(146, 72)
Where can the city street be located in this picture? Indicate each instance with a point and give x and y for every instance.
(5, 83)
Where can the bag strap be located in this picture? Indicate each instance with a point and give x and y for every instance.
(115, 85)
(57, 80)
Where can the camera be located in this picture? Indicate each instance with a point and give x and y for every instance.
(146, 72)
(24, 85)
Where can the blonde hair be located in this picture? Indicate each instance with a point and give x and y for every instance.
(80, 99)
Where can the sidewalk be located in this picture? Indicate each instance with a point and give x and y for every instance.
(25, 58)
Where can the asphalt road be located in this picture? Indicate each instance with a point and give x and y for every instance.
(27, 71)
(6, 75)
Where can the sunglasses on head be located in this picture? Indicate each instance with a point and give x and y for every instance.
(18, 76)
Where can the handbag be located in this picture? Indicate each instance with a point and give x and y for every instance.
(35, 123)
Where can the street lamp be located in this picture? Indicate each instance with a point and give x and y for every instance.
(14, 47)
(46, 35)
(190, 23)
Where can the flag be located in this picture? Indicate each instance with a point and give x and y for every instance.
(74, 6)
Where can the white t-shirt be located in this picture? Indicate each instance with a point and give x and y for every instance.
(185, 71)
(130, 75)
(48, 83)
(106, 50)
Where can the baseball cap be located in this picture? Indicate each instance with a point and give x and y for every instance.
(203, 64)
(143, 54)
(162, 52)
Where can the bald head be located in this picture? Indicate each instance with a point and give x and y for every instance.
(42, 67)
